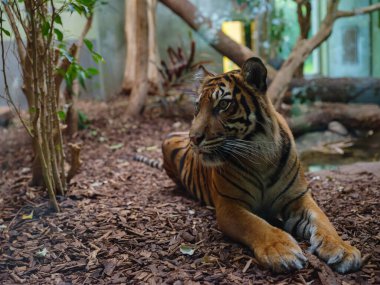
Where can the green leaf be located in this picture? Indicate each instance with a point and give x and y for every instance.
(67, 55)
(45, 28)
(88, 44)
(61, 115)
(59, 34)
(92, 71)
(58, 20)
(97, 57)
(82, 77)
(186, 249)
(5, 32)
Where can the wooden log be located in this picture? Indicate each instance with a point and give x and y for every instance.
(326, 89)
(319, 115)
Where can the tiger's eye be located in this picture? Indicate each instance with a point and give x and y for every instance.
(223, 104)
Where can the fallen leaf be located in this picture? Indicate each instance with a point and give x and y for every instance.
(42, 252)
(27, 217)
(186, 249)
(116, 146)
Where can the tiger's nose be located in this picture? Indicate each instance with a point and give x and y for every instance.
(197, 139)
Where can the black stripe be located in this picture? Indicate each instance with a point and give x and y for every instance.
(285, 153)
(296, 225)
(257, 183)
(237, 186)
(231, 128)
(233, 198)
(307, 223)
(258, 112)
(238, 120)
(207, 189)
(285, 207)
(199, 189)
(190, 177)
(290, 184)
(182, 160)
(175, 152)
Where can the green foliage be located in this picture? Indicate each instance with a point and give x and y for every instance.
(83, 121)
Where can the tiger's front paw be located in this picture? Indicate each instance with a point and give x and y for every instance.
(337, 253)
(280, 252)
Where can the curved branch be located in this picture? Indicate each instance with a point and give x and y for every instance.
(224, 44)
(19, 42)
(358, 11)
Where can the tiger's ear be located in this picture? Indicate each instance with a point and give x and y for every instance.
(254, 72)
(200, 74)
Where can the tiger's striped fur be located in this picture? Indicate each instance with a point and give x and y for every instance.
(148, 161)
(240, 157)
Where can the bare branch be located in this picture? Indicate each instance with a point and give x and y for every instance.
(358, 11)
(19, 42)
(85, 31)
(8, 97)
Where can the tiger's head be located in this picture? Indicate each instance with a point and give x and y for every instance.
(231, 110)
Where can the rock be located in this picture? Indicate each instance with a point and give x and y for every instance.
(6, 116)
(337, 128)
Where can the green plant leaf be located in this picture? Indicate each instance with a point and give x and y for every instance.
(97, 57)
(62, 115)
(5, 32)
(92, 71)
(58, 20)
(88, 44)
(45, 28)
(82, 77)
(59, 34)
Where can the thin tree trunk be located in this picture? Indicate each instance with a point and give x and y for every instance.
(154, 57)
(131, 35)
(304, 23)
(140, 85)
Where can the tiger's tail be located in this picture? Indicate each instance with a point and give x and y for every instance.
(155, 163)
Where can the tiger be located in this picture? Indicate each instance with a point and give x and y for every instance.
(239, 157)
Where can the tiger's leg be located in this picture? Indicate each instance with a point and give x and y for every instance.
(272, 247)
(307, 220)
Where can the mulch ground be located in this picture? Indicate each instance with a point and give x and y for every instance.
(124, 223)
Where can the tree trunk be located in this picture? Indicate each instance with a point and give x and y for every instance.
(222, 43)
(334, 90)
(140, 84)
(319, 115)
(154, 78)
(132, 61)
(304, 23)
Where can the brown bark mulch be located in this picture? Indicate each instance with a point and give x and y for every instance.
(123, 223)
